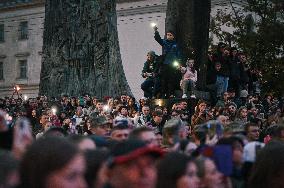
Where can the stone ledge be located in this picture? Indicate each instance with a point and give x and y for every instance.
(25, 54)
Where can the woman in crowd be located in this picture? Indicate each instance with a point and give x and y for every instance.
(52, 162)
(189, 79)
(201, 114)
(110, 105)
(181, 174)
(131, 103)
(96, 164)
(242, 115)
(209, 176)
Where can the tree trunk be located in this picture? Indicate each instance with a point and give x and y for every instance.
(81, 50)
(190, 20)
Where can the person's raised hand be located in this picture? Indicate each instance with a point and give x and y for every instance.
(155, 28)
(211, 141)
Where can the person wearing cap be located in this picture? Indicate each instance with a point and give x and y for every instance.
(150, 71)
(99, 126)
(243, 94)
(243, 100)
(170, 74)
(133, 164)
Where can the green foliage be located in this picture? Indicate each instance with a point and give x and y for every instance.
(259, 32)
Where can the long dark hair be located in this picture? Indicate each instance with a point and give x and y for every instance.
(43, 157)
(95, 160)
(171, 168)
(268, 170)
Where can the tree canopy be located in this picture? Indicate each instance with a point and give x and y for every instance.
(259, 33)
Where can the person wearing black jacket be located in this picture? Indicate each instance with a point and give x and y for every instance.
(222, 56)
(150, 71)
(235, 71)
(170, 61)
(245, 71)
(211, 82)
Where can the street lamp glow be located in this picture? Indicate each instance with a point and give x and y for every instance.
(17, 88)
(25, 97)
(153, 24)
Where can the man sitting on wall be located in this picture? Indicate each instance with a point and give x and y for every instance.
(150, 71)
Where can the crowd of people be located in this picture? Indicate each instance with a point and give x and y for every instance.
(118, 142)
(233, 140)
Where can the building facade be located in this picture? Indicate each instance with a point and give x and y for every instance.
(21, 31)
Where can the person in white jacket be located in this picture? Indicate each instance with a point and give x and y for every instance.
(189, 79)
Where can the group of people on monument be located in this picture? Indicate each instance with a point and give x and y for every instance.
(227, 68)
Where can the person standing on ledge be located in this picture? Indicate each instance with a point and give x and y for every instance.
(170, 63)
